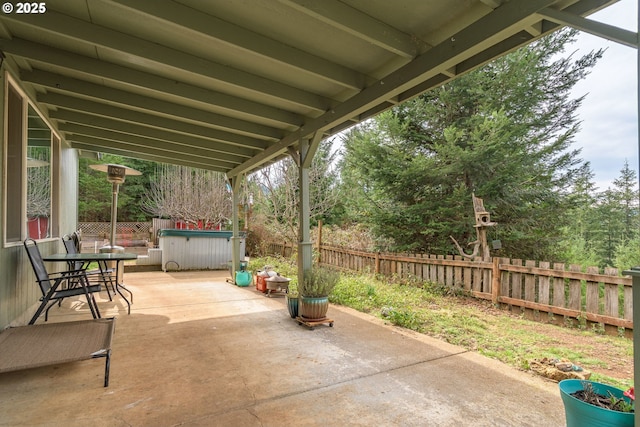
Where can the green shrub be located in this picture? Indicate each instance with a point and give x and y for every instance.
(318, 282)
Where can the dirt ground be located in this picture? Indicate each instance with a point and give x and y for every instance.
(604, 354)
(614, 362)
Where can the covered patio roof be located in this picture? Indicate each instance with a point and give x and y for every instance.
(233, 85)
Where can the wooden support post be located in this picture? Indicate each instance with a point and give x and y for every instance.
(495, 280)
(235, 240)
(305, 246)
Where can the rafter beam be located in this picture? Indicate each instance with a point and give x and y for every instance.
(600, 29)
(94, 35)
(492, 3)
(59, 83)
(266, 49)
(142, 80)
(88, 147)
(179, 143)
(135, 148)
(346, 18)
(229, 142)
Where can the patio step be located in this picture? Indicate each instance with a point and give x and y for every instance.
(134, 268)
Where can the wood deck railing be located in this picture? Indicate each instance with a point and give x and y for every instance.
(537, 289)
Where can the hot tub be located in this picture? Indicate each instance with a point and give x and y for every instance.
(197, 249)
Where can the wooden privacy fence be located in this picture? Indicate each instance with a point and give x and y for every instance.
(540, 290)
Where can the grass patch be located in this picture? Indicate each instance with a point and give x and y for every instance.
(476, 325)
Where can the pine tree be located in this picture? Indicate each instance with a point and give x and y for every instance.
(617, 221)
(95, 191)
(578, 245)
(626, 190)
(503, 132)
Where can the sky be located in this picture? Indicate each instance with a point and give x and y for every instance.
(609, 114)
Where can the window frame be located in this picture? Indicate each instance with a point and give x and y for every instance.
(17, 212)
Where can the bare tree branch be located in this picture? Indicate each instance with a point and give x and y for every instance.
(192, 195)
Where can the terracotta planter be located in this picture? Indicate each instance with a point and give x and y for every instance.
(313, 308)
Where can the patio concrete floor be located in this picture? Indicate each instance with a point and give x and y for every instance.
(198, 351)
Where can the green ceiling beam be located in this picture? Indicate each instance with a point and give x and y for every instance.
(59, 83)
(90, 148)
(346, 18)
(223, 151)
(610, 32)
(136, 148)
(149, 144)
(139, 79)
(95, 108)
(264, 48)
(91, 34)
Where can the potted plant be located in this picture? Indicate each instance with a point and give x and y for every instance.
(314, 292)
(292, 300)
(591, 404)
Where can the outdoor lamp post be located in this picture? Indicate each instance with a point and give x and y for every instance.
(116, 175)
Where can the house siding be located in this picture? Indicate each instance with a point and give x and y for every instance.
(19, 293)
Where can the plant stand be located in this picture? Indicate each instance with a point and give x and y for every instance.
(312, 323)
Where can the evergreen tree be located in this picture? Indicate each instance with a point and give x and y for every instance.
(95, 192)
(578, 245)
(626, 189)
(603, 230)
(617, 221)
(608, 226)
(503, 132)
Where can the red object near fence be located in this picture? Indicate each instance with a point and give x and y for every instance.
(38, 227)
(261, 284)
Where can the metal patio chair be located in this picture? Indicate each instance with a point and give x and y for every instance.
(50, 284)
(102, 275)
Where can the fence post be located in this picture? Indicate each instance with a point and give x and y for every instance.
(319, 243)
(495, 280)
(611, 302)
(377, 266)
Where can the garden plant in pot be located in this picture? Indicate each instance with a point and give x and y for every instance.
(292, 300)
(314, 292)
(593, 404)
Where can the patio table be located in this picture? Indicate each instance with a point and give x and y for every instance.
(101, 259)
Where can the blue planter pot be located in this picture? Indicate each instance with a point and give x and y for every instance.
(292, 306)
(582, 414)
